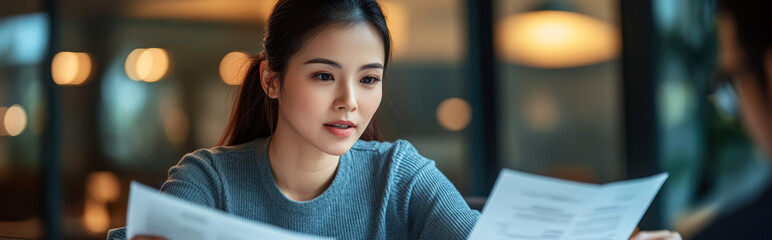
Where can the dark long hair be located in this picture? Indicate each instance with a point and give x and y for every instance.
(291, 24)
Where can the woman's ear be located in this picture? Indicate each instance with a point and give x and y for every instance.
(268, 80)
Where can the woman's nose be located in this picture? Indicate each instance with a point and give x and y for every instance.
(346, 99)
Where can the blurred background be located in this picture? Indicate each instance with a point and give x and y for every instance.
(95, 94)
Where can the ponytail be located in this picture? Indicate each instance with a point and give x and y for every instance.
(254, 114)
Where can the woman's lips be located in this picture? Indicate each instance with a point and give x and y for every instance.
(337, 131)
(341, 123)
(340, 128)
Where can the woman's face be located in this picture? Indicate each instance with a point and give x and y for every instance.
(332, 87)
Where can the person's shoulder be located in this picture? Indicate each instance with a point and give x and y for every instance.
(219, 158)
(747, 222)
(226, 152)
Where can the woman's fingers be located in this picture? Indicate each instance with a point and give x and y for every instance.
(657, 235)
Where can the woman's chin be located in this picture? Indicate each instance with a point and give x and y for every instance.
(338, 148)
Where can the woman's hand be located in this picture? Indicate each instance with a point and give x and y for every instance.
(657, 235)
(145, 237)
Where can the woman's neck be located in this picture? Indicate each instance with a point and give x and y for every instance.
(301, 171)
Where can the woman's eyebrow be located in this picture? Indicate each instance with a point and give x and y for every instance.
(337, 65)
(371, 65)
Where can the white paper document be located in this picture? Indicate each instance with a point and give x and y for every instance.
(154, 213)
(533, 207)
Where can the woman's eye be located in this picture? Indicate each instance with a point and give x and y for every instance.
(323, 76)
(369, 80)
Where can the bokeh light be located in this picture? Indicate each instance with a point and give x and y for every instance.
(70, 68)
(234, 67)
(147, 64)
(14, 120)
(96, 219)
(454, 114)
(103, 187)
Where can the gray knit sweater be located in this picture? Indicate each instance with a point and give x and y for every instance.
(381, 190)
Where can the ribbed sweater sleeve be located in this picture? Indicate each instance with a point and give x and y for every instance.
(192, 179)
(436, 210)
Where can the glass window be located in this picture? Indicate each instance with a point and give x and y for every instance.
(559, 88)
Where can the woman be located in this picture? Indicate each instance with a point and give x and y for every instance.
(302, 149)
(745, 44)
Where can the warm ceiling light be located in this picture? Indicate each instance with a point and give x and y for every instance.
(14, 120)
(147, 64)
(234, 67)
(556, 39)
(70, 68)
(454, 114)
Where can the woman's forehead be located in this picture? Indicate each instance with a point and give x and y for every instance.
(350, 45)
